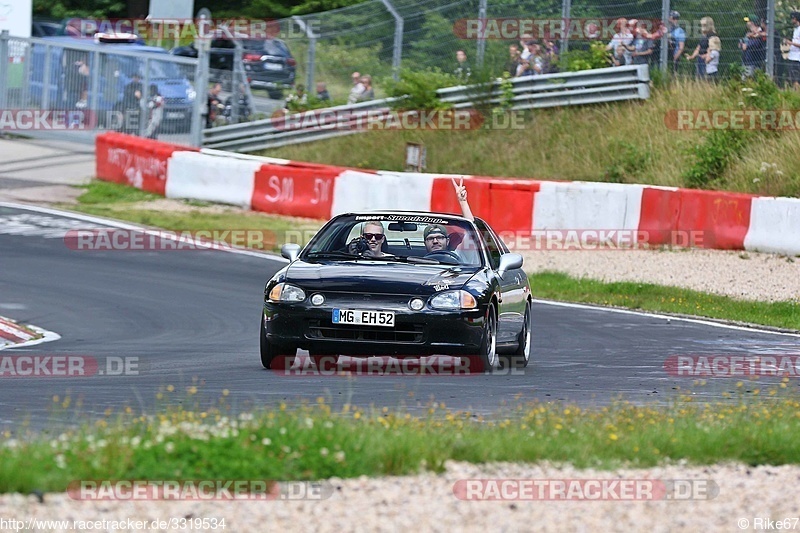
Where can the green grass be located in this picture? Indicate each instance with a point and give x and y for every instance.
(104, 192)
(624, 142)
(312, 442)
(659, 298)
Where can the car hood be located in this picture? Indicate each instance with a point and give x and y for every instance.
(378, 277)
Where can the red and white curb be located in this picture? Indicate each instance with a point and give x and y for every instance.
(13, 335)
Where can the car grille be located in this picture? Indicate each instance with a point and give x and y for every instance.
(175, 100)
(325, 329)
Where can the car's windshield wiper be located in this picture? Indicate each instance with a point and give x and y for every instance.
(332, 255)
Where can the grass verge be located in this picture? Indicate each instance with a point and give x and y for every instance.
(313, 442)
(664, 299)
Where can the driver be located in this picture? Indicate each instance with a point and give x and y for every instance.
(436, 238)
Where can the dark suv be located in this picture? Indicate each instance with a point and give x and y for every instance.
(268, 63)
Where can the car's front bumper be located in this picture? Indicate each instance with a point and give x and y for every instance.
(415, 333)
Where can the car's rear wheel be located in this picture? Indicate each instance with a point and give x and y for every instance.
(274, 356)
(522, 356)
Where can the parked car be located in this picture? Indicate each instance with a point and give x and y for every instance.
(45, 28)
(462, 294)
(268, 63)
(68, 90)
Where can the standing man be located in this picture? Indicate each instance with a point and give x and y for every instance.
(214, 104)
(462, 70)
(794, 51)
(677, 39)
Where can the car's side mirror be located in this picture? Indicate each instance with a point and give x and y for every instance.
(290, 251)
(509, 261)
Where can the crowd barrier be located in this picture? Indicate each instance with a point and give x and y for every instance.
(723, 220)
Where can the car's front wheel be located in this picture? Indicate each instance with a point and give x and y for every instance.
(274, 356)
(488, 353)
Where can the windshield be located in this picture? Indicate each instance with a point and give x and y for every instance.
(422, 239)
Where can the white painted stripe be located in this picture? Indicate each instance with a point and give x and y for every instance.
(158, 233)
(665, 317)
(774, 226)
(246, 157)
(214, 179)
(47, 336)
(360, 191)
(582, 205)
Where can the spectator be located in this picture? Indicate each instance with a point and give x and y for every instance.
(623, 38)
(534, 63)
(462, 70)
(794, 51)
(368, 93)
(513, 60)
(131, 100)
(76, 76)
(549, 57)
(322, 92)
(523, 42)
(155, 104)
(357, 89)
(708, 30)
(242, 103)
(677, 39)
(753, 46)
(712, 57)
(642, 47)
(297, 98)
(214, 105)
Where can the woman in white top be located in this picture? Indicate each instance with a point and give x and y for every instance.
(712, 57)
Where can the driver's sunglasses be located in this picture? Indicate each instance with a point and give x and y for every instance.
(377, 236)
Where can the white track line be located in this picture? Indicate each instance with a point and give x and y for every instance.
(163, 234)
(667, 317)
(273, 257)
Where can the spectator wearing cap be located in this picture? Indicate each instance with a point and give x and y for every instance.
(753, 46)
(794, 51)
(708, 30)
(436, 238)
(677, 39)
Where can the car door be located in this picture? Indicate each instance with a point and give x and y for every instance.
(507, 284)
(517, 294)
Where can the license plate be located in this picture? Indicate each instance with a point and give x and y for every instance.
(175, 114)
(272, 66)
(363, 317)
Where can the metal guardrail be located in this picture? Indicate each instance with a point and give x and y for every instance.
(549, 90)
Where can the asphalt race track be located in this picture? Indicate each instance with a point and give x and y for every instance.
(194, 315)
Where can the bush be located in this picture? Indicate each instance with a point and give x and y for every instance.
(574, 60)
(418, 89)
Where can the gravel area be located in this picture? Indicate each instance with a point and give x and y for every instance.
(427, 503)
(744, 275)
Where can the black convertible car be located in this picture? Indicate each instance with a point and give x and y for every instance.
(401, 284)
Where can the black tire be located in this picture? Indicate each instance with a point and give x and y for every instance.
(522, 356)
(274, 356)
(488, 357)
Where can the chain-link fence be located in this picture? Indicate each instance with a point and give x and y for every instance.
(75, 85)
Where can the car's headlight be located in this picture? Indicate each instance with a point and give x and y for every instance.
(283, 292)
(191, 94)
(453, 300)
